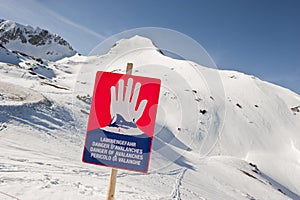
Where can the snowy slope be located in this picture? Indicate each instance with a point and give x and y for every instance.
(33, 41)
(230, 141)
(7, 56)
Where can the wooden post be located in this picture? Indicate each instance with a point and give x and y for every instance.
(129, 68)
(114, 172)
(112, 184)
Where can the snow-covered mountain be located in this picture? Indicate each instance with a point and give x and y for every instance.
(236, 137)
(33, 41)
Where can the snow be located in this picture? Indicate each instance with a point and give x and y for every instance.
(14, 95)
(52, 50)
(245, 146)
(8, 57)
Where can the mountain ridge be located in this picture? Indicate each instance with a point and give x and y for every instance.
(34, 41)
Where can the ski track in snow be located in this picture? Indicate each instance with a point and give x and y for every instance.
(176, 195)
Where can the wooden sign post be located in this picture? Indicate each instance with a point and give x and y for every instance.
(112, 184)
(114, 172)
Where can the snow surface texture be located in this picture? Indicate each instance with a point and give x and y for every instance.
(33, 41)
(8, 57)
(43, 115)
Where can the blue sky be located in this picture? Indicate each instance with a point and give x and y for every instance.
(259, 37)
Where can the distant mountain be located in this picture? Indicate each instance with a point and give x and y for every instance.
(33, 41)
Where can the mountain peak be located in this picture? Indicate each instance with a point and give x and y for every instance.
(131, 44)
(33, 41)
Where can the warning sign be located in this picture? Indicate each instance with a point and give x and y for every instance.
(121, 122)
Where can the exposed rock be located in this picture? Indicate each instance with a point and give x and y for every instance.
(32, 41)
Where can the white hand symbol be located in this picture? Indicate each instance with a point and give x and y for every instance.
(123, 106)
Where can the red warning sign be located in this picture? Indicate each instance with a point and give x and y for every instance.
(121, 122)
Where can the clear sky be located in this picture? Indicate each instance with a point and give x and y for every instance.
(259, 37)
